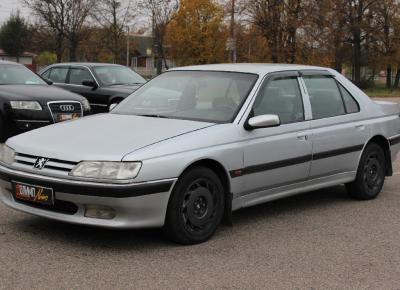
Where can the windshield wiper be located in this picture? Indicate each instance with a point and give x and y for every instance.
(153, 116)
(126, 84)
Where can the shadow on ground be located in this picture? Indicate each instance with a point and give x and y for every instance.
(84, 236)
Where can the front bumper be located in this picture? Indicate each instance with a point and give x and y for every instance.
(136, 205)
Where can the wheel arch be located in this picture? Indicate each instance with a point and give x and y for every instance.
(385, 144)
(222, 173)
(112, 99)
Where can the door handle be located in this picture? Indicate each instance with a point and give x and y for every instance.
(303, 137)
(360, 127)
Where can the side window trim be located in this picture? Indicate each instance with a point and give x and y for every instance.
(84, 68)
(273, 76)
(324, 74)
(59, 67)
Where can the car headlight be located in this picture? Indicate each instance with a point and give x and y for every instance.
(26, 105)
(106, 170)
(7, 154)
(86, 105)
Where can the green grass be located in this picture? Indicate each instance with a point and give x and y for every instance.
(382, 92)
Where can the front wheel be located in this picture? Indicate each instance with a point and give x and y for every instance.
(196, 207)
(3, 137)
(370, 174)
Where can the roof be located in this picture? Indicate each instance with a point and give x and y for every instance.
(89, 64)
(9, 62)
(258, 68)
(26, 53)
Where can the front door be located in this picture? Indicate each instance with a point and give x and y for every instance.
(278, 156)
(97, 100)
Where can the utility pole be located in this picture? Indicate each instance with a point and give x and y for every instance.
(232, 33)
(127, 48)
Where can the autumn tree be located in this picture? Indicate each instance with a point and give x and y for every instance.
(197, 34)
(387, 37)
(14, 35)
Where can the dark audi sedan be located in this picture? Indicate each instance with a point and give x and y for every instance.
(28, 102)
(102, 84)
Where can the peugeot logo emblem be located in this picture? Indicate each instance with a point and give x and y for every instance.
(67, 108)
(40, 163)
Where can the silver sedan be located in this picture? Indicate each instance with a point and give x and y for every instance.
(197, 143)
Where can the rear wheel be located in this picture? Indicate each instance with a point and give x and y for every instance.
(370, 174)
(196, 207)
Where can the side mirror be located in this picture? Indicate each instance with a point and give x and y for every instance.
(262, 121)
(88, 83)
(48, 81)
(112, 106)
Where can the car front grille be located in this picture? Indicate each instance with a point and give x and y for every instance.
(65, 107)
(52, 164)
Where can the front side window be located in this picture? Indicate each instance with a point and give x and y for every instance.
(191, 95)
(281, 96)
(11, 74)
(58, 74)
(78, 75)
(117, 75)
(325, 97)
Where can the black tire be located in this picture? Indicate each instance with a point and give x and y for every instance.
(3, 137)
(195, 208)
(370, 174)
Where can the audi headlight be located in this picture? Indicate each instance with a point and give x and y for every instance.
(106, 170)
(86, 105)
(26, 105)
(7, 154)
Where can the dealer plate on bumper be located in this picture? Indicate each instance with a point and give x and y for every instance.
(33, 193)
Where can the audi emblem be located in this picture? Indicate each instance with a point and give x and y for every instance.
(67, 108)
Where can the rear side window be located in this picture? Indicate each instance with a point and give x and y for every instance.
(325, 97)
(78, 75)
(350, 103)
(58, 74)
(281, 96)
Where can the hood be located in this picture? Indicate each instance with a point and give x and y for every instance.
(123, 90)
(104, 137)
(40, 93)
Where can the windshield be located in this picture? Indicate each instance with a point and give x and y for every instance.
(192, 95)
(117, 75)
(11, 74)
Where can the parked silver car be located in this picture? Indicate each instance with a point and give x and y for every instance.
(196, 143)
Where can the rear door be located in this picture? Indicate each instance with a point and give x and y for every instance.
(337, 137)
(280, 155)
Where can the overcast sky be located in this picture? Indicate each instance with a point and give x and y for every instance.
(8, 6)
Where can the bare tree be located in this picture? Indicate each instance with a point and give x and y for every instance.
(66, 18)
(160, 13)
(113, 16)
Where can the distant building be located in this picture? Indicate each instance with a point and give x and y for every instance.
(27, 59)
(141, 56)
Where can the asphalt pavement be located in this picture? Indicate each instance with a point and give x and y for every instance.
(318, 240)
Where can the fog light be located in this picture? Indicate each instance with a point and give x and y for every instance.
(99, 212)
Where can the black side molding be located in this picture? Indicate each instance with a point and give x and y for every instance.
(293, 161)
(115, 191)
(394, 141)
